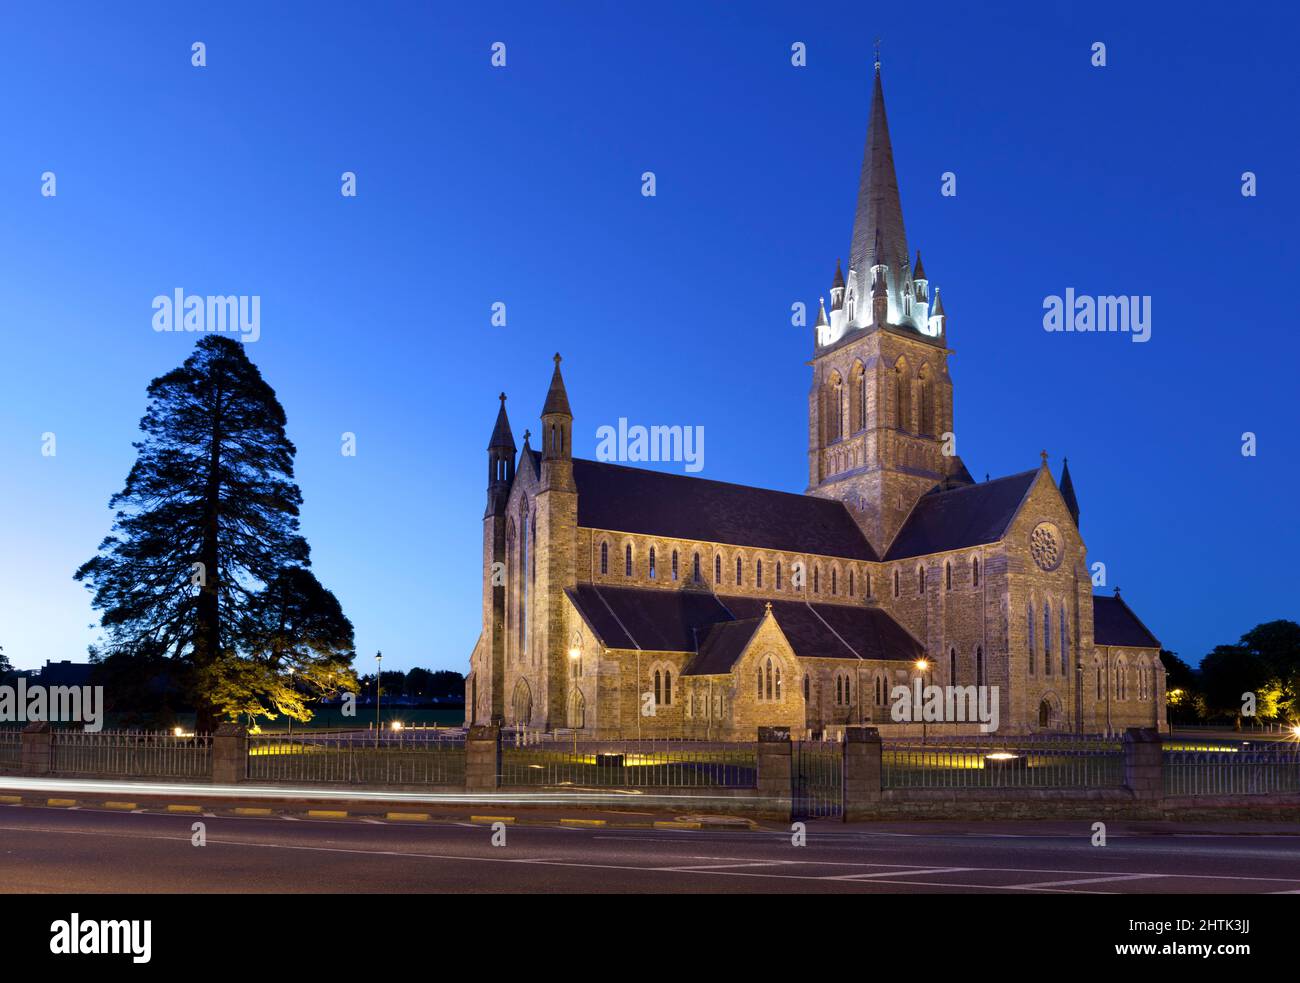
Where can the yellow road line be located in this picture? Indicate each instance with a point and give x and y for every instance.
(185, 808)
(251, 811)
(582, 822)
(119, 805)
(61, 802)
(491, 819)
(327, 814)
(409, 815)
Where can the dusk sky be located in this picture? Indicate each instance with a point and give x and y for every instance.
(522, 185)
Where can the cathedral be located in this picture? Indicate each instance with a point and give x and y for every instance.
(621, 602)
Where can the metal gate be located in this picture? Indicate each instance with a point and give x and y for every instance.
(817, 779)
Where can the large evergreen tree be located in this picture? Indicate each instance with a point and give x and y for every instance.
(207, 520)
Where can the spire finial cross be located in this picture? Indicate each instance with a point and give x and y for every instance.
(557, 360)
(877, 54)
(502, 397)
(1043, 455)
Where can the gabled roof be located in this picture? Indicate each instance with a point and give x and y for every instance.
(653, 503)
(723, 645)
(961, 517)
(688, 621)
(1114, 623)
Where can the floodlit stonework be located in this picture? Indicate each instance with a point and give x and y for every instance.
(630, 603)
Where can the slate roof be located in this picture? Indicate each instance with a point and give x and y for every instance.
(718, 627)
(1114, 623)
(961, 517)
(655, 503)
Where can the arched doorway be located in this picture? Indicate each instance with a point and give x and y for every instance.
(522, 703)
(1049, 713)
(577, 710)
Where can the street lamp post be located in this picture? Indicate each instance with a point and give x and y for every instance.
(379, 659)
(290, 715)
(922, 665)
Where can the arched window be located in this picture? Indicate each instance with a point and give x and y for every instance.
(524, 570)
(817, 576)
(880, 686)
(835, 581)
(868, 583)
(604, 558)
(805, 687)
(975, 571)
(1029, 618)
(674, 564)
(947, 575)
(834, 408)
(659, 693)
(862, 400)
(850, 583)
(902, 397)
(668, 687)
(717, 568)
(952, 667)
(1047, 638)
(1065, 645)
(737, 571)
(652, 563)
(778, 682)
(769, 679)
(979, 666)
(695, 568)
(758, 573)
(895, 583)
(627, 560)
(1097, 664)
(778, 574)
(920, 580)
(925, 401)
(839, 690)
(848, 690)
(760, 682)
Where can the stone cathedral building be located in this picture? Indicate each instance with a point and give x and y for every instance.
(628, 603)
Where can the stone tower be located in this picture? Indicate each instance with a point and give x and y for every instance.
(501, 473)
(556, 545)
(881, 399)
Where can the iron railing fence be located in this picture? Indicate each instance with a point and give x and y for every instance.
(991, 761)
(1242, 768)
(11, 748)
(136, 754)
(661, 763)
(392, 758)
(817, 779)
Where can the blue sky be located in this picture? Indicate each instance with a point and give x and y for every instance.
(522, 185)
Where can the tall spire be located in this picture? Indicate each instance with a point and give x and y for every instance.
(880, 212)
(502, 438)
(1067, 491)
(557, 400)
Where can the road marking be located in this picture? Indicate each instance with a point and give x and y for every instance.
(582, 822)
(417, 816)
(191, 809)
(251, 811)
(491, 819)
(327, 814)
(11, 800)
(899, 873)
(1090, 880)
(60, 802)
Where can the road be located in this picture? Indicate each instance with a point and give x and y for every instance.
(86, 850)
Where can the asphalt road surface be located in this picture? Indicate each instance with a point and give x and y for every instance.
(86, 850)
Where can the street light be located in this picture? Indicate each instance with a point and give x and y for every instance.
(922, 665)
(379, 659)
(291, 715)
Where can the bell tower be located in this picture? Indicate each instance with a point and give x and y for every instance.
(880, 422)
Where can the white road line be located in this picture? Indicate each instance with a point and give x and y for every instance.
(1096, 880)
(898, 873)
(756, 863)
(375, 822)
